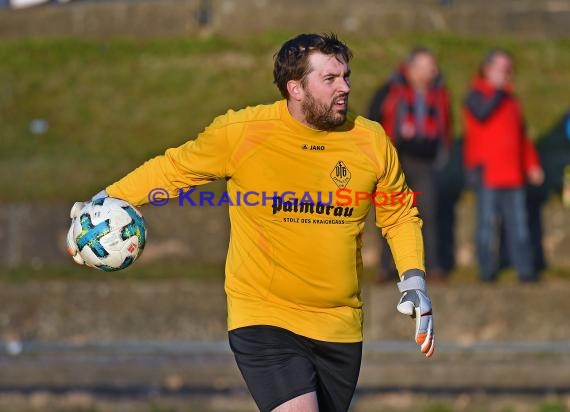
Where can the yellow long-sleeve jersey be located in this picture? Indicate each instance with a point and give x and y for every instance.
(298, 200)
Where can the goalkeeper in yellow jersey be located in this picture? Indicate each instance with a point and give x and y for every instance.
(302, 174)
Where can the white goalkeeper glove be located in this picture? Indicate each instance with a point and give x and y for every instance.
(74, 214)
(416, 303)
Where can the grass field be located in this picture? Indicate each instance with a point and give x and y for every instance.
(109, 105)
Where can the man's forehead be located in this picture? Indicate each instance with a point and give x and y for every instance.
(324, 63)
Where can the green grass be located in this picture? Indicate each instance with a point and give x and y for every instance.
(112, 104)
(553, 406)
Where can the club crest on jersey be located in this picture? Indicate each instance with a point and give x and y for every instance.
(313, 147)
(340, 174)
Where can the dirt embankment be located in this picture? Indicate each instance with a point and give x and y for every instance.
(83, 311)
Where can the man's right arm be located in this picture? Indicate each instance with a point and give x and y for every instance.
(196, 162)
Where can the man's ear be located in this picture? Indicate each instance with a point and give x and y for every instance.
(295, 90)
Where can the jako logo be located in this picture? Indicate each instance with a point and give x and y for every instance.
(313, 147)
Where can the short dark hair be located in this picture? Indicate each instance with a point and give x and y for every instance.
(292, 60)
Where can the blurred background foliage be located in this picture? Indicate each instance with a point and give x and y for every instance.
(105, 106)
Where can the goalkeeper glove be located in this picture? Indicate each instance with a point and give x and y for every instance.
(416, 303)
(74, 214)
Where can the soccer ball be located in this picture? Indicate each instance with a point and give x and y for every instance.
(110, 234)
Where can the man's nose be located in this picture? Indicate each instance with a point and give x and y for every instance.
(344, 85)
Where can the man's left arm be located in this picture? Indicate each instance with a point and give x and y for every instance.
(401, 226)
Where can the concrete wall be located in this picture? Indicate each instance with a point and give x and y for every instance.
(147, 18)
(34, 234)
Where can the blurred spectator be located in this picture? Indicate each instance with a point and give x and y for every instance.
(554, 151)
(500, 159)
(450, 184)
(413, 107)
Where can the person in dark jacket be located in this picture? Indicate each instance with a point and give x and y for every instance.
(500, 159)
(413, 107)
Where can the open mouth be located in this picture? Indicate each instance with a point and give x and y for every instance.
(340, 102)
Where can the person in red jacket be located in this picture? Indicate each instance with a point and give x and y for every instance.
(413, 107)
(500, 159)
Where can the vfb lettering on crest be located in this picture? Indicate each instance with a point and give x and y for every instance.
(340, 174)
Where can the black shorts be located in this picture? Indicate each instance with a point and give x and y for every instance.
(279, 365)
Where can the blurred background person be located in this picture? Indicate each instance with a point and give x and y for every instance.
(413, 107)
(499, 159)
(553, 150)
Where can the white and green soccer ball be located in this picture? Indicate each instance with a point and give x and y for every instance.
(108, 234)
